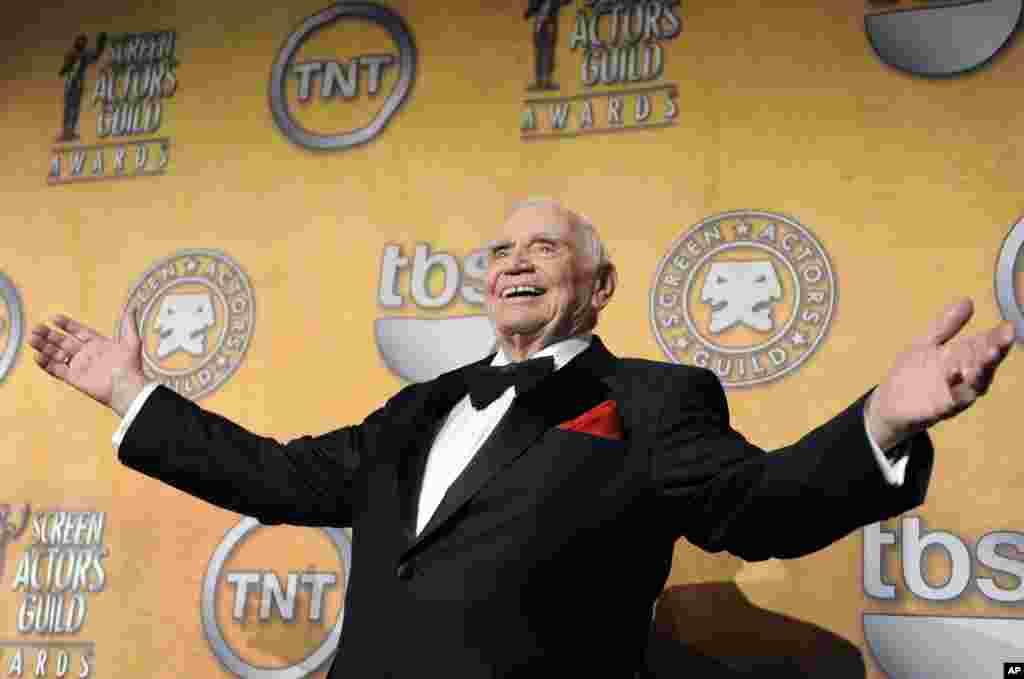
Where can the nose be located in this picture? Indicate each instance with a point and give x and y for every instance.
(519, 261)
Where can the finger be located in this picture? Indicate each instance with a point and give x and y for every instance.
(129, 330)
(991, 353)
(83, 332)
(1004, 335)
(55, 353)
(52, 350)
(54, 368)
(963, 397)
(42, 344)
(953, 318)
(51, 336)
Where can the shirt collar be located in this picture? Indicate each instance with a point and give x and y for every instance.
(563, 351)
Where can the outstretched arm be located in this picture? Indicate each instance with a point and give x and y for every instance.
(722, 492)
(310, 481)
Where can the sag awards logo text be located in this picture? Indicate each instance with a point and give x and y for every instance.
(56, 575)
(195, 311)
(619, 52)
(136, 76)
(747, 294)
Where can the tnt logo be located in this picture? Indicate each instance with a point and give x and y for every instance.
(342, 79)
(265, 610)
(267, 588)
(331, 72)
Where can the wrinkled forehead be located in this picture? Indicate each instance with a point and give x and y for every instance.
(538, 221)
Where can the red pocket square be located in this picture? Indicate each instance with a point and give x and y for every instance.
(601, 420)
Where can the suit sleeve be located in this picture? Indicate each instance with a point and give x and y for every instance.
(312, 480)
(723, 493)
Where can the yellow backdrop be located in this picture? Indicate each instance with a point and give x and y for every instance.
(910, 185)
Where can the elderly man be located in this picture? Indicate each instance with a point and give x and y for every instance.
(516, 517)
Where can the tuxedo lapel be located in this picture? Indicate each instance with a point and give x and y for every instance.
(565, 394)
(445, 392)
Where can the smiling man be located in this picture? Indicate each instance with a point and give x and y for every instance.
(516, 517)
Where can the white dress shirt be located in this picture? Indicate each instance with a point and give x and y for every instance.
(466, 428)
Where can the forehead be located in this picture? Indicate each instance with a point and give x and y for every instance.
(537, 221)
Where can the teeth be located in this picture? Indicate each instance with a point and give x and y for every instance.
(521, 288)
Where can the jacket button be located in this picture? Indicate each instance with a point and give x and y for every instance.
(405, 570)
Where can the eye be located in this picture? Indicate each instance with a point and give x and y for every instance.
(720, 279)
(499, 253)
(545, 248)
(761, 279)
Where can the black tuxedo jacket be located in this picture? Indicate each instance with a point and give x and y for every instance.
(549, 550)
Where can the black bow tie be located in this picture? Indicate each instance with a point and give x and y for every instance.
(488, 382)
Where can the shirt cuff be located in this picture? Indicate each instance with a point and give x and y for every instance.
(133, 410)
(894, 469)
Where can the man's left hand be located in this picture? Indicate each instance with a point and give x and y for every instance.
(936, 378)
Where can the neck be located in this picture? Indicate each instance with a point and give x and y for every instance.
(520, 347)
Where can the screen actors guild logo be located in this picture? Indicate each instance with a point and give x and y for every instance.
(940, 38)
(324, 79)
(76, 61)
(620, 42)
(196, 312)
(10, 531)
(748, 294)
(58, 574)
(545, 38)
(136, 77)
(12, 324)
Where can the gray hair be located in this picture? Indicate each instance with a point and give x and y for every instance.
(592, 242)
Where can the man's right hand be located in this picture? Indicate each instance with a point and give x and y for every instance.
(110, 371)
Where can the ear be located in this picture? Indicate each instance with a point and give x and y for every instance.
(606, 279)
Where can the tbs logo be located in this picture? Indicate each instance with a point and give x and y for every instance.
(944, 646)
(940, 38)
(418, 349)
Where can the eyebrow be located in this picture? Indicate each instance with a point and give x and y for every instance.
(544, 236)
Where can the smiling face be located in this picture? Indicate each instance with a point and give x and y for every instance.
(543, 283)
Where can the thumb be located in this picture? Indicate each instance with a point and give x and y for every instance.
(130, 327)
(953, 318)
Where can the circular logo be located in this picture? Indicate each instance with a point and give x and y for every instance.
(748, 294)
(12, 324)
(282, 68)
(228, 656)
(195, 312)
(1010, 278)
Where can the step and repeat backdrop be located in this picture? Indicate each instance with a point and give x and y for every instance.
(294, 198)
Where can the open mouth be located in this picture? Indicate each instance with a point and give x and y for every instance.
(522, 291)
